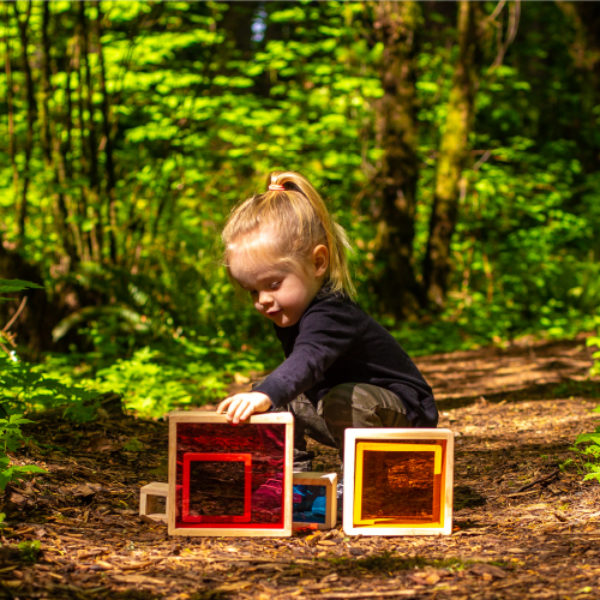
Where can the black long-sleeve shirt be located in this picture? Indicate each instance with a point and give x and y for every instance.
(336, 342)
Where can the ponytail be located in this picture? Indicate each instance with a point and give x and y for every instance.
(293, 208)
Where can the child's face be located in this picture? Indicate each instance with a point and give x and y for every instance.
(279, 290)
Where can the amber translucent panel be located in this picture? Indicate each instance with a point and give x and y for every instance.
(400, 486)
(245, 490)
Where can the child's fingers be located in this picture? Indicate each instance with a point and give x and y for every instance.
(241, 407)
(247, 411)
(257, 403)
(229, 407)
(237, 409)
(224, 404)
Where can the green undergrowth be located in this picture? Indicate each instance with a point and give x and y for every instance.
(587, 445)
(460, 329)
(174, 373)
(587, 448)
(156, 379)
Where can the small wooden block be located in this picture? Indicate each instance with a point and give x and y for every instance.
(318, 485)
(229, 479)
(398, 481)
(150, 505)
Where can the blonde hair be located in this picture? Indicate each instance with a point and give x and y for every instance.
(296, 213)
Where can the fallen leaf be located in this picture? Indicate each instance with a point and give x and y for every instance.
(139, 580)
(431, 578)
(232, 587)
(491, 570)
(327, 543)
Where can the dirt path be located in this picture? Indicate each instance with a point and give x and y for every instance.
(524, 527)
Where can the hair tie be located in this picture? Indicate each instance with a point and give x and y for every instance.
(276, 187)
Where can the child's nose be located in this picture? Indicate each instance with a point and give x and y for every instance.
(265, 298)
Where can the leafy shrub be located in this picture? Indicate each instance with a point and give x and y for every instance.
(11, 437)
(26, 388)
(595, 341)
(173, 373)
(587, 445)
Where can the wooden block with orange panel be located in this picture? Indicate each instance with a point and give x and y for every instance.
(398, 481)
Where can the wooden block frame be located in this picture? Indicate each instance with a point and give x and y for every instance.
(433, 449)
(242, 524)
(329, 482)
(149, 495)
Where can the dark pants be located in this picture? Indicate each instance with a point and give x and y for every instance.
(346, 405)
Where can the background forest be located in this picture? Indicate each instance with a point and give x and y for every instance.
(457, 142)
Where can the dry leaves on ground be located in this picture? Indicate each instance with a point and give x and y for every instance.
(524, 526)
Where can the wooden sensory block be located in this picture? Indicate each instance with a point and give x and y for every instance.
(229, 479)
(314, 500)
(398, 481)
(153, 501)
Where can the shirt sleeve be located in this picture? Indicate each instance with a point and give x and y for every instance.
(326, 331)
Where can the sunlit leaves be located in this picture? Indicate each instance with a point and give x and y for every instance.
(205, 100)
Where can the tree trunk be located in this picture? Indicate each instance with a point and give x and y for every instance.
(54, 159)
(451, 162)
(111, 179)
(10, 109)
(89, 126)
(585, 52)
(396, 24)
(82, 161)
(22, 209)
(46, 87)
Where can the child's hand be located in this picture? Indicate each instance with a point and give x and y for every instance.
(240, 407)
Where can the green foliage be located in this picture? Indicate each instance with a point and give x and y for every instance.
(8, 286)
(11, 435)
(171, 374)
(204, 99)
(11, 438)
(523, 251)
(595, 341)
(152, 382)
(27, 388)
(587, 445)
(29, 550)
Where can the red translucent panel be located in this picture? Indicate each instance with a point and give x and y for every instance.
(216, 487)
(229, 476)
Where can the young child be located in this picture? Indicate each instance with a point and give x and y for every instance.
(341, 369)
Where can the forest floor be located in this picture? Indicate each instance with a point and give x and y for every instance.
(525, 526)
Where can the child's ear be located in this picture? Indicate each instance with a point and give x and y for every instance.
(321, 259)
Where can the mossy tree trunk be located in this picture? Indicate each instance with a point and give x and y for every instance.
(454, 148)
(22, 206)
(397, 24)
